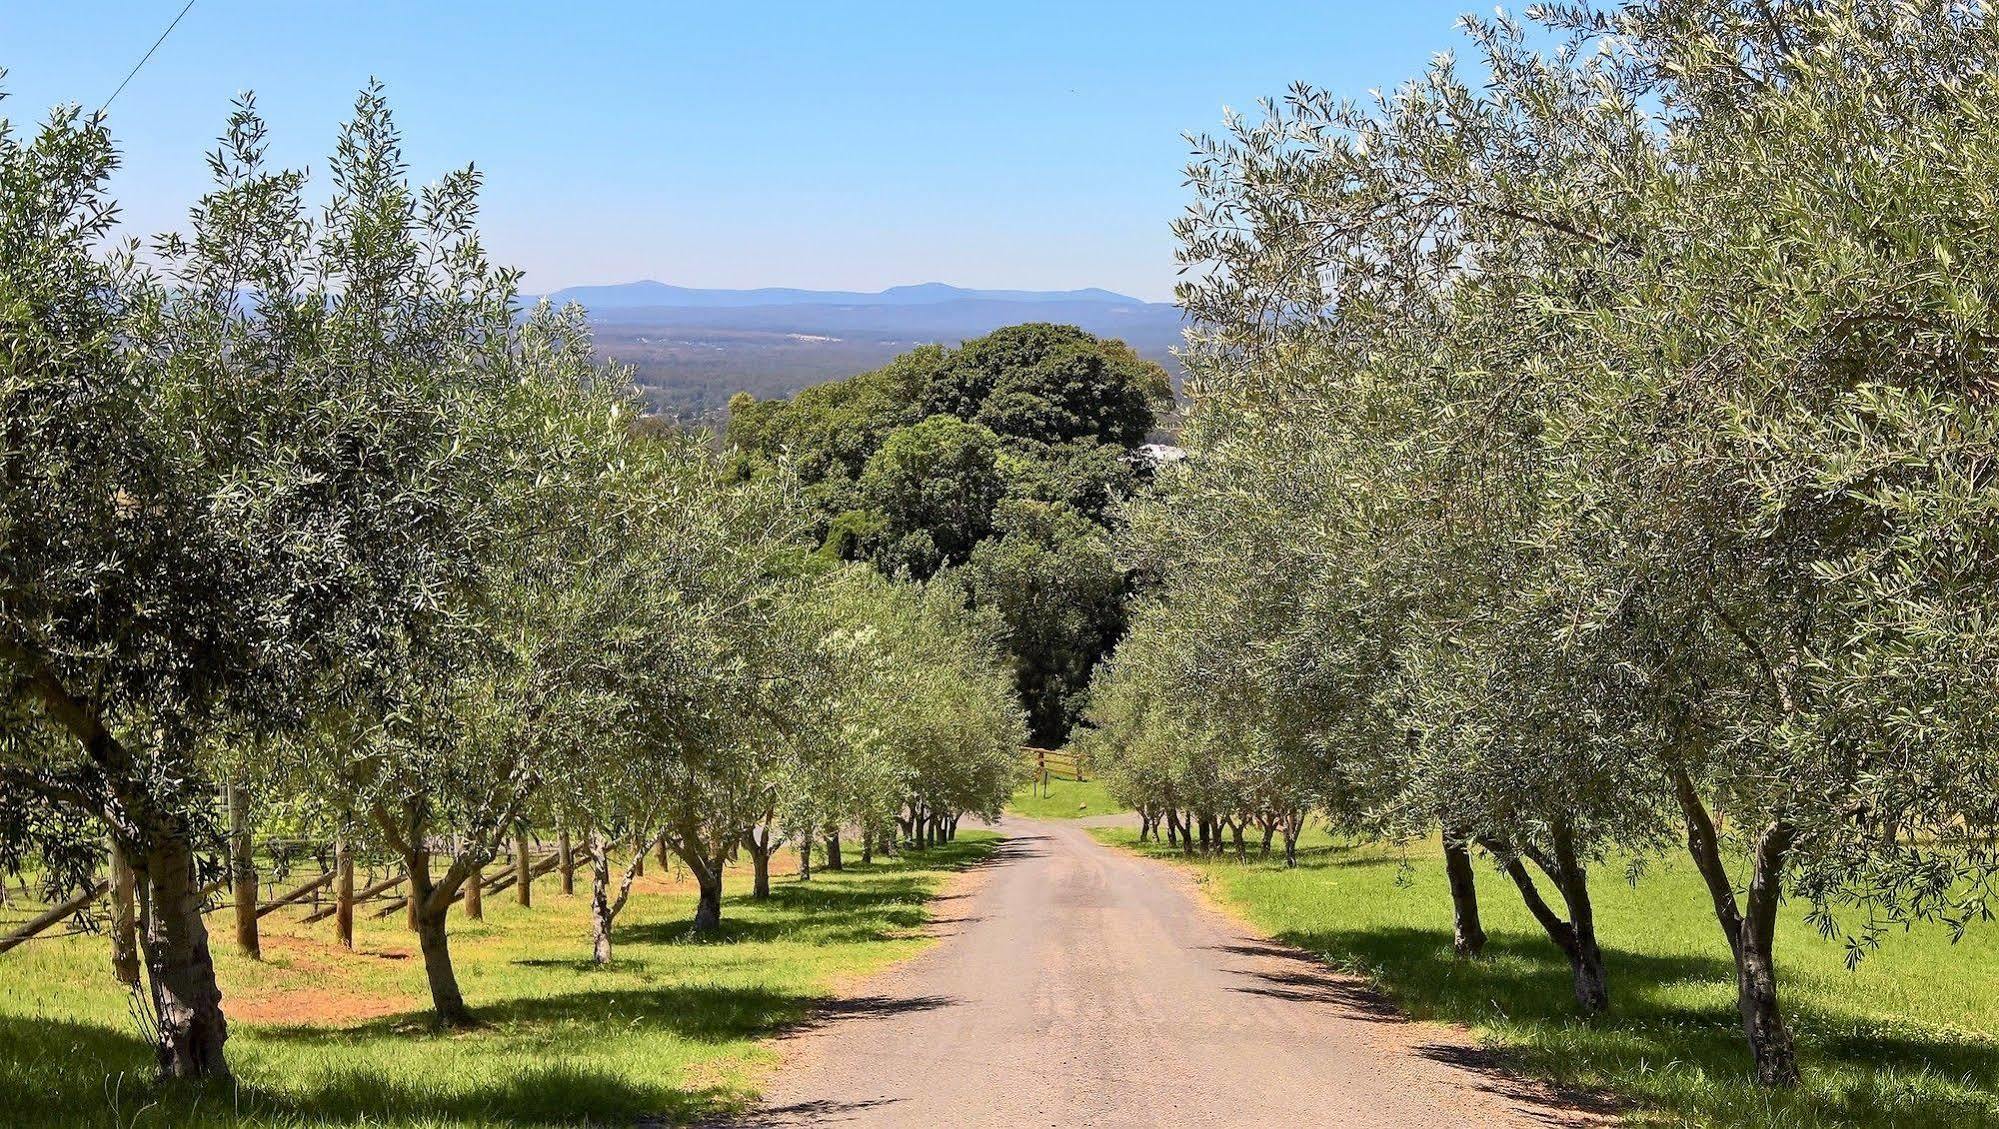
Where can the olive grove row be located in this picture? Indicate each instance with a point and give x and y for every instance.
(300, 508)
(1597, 454)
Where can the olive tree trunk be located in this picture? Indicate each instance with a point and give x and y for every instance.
(431, 905)
(708, 911)
(706, 866)
(1756, 962)
(757, 842)
(173, 938)
(1576, 938)
(186, 1000)
(475, 894)
(606, 903)
(600, 898)
(1467, 933)
(1750, 928)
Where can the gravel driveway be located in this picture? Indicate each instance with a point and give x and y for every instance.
(1081, 985)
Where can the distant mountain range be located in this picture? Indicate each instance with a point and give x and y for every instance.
(692, 349)
(626, 295)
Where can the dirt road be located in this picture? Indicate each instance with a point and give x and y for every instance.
(1080, 985)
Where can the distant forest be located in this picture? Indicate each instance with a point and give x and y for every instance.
(688, 362)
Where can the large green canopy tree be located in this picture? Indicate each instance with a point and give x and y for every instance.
(1003, 458)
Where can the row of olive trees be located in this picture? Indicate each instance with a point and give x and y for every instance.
(297, 506)
(1598, 453)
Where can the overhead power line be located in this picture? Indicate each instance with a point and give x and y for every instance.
(148, 55)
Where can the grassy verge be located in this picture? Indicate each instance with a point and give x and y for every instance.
(1911, 1038)
(1064, 799)
(321, 1036)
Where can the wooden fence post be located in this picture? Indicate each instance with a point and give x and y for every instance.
(523, 868)
(343, 892)
(124, 920)
(566, 860)
(243, 873)
(475, 894)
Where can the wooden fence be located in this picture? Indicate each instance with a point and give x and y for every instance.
(1046, 765)
(328, 892)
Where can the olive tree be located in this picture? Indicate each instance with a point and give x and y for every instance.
(120, 638)
(1691, 299)
(250, 487)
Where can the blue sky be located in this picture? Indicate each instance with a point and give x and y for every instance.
(839, 145)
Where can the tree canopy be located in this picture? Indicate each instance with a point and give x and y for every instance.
(1001, 460)
(302, 508)
(1588, 452)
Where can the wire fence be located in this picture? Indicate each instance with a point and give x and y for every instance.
(302, 876)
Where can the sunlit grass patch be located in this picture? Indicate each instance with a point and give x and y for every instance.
(671, 1030)
(1064, 799)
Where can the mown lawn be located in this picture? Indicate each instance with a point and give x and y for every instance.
(1064, 799)
(1911, 1038)
(321, 1036)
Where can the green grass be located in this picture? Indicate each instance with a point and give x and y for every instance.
(1064, 799)
(320, 1036)
(1911, 1038)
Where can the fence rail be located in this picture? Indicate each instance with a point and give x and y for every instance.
(25, 917)
(1046, 765)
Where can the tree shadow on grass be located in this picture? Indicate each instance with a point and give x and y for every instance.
(826, 927)
(58, 1073)
(550, 1091)
(568, 1093)
(1320, 856)
(555, 1094)
(703, 1013)
(62, 1073)
(1856, 1072)
(866, 902)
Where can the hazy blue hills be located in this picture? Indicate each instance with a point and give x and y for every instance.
(692, 349)
(626, 295)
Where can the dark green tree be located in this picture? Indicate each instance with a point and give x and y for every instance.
(1004, 458)
(1057, 586)
(929, 495)
(1052, 383)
